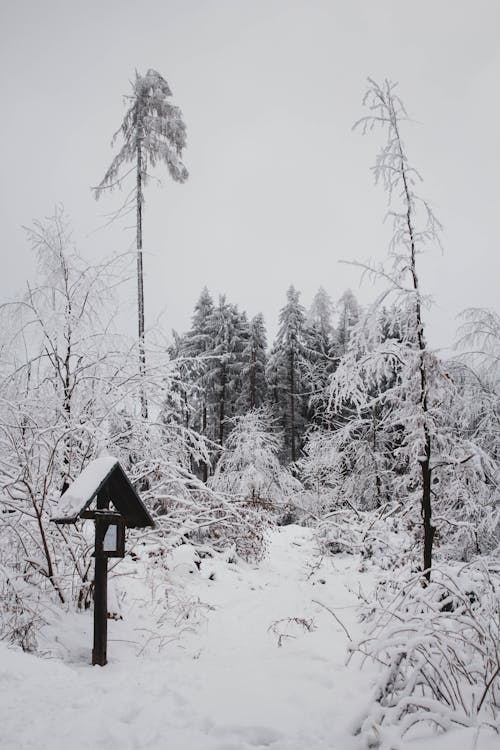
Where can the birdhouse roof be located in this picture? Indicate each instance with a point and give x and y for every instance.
(103, 474)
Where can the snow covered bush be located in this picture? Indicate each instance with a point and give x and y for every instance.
(437, 647)
(243, 527)
(197, 514)
(383, 537)
(23, 612)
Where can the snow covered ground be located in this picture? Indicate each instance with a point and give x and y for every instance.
(218, 664)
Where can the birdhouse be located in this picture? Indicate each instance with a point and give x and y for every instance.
(104, 494)
(105, 481)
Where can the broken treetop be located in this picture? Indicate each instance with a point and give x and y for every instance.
(103, 474)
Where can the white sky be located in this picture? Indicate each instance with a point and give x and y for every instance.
(280, 188)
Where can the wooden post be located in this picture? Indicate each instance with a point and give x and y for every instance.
(99, 651)
(100, 605)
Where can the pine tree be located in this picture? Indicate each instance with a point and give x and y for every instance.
(153, 131)
(196, 348)
(253, 373)
(348, 315)
(320, 321)
(287, 369)
(229, 331)
(321, 345)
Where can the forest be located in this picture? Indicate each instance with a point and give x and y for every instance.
(347, 427)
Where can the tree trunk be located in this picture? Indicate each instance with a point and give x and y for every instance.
(45, 545)
(426, 501)
(222, 406)
(429, 529)
(67, 377)
(67, 416)
(378, 482)
(140, 282)
(204, 432)
(253, 384)
(292, 407)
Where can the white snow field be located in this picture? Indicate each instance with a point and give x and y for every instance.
(236, 678)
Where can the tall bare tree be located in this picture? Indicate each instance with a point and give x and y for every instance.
(153, 131)
(414, 227)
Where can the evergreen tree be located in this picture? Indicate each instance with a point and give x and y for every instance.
(153, 131)
(320, 341)
(182, 385)
(253, 373)
(229, 332)
(320, 322)
(348, 315)
(196, 348)
(287, 373)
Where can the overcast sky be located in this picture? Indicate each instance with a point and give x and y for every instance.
(280, 187)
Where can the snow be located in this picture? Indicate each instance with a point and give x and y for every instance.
(80, 492)
(195, 663)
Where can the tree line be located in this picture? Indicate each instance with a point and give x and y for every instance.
(229, 370)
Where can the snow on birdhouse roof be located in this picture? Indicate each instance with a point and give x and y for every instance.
(102, 474)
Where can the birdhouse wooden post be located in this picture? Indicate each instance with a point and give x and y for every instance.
(117, 505)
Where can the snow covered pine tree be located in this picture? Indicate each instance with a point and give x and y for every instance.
(153, 131)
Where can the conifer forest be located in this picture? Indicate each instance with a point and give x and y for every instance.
(287, 528)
